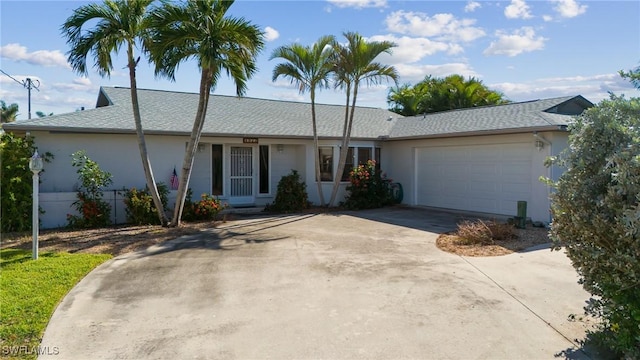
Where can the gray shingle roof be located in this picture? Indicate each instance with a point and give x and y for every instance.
(514, 117)
(173, 112)
(167, 112)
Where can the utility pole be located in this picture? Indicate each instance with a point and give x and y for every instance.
(29, 84)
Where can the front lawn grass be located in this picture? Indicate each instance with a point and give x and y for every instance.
(30, 290)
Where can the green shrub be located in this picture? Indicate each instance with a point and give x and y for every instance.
(17, 183)
(484, 232)
(368, 188)
(94, 212)
(139, 205)
(291, 195)
(596, 217)
(207, 208)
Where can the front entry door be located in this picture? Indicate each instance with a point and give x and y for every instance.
(241, 175)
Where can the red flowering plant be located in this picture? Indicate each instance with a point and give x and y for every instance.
(93, 211)
(207, 208)
(368, 188)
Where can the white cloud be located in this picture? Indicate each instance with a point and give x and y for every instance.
(415, 73)
(601, 77)
(358, 4)
(82, 81)
(281, 82)
(270, 33)
(409, 49)
(288, 96)
(18, 52)
(472, 6)
(547, 18)
(518, 9)
(593, 87)
(374, 88)
(439, 26)
(520, 41)
(569, 8)
(78, 84)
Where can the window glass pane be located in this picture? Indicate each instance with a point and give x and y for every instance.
(348, 165)
(264, 169)
(326, 163)
(216, 162)
(364, 155)
(377, 158)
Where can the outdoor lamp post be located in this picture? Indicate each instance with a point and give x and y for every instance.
(35, 165)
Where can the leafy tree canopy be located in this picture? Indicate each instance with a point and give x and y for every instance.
(633, 76)
(442, 94)
(596, 217)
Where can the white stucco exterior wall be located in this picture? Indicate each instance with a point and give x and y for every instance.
(119, 155)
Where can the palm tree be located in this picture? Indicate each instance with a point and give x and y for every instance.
(454, 92)
(404, 100)
(42, 114)
(201, 30)
(119, 23)
(8, 113)
(308, 67)
(354, 65)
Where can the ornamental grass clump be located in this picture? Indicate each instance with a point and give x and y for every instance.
(481, 232)
(368, 188)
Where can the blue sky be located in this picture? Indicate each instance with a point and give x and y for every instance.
(525, 49)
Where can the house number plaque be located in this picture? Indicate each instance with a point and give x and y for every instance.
(250, 140)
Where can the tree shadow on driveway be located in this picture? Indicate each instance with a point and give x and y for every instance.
(431, 220)
(229, 237)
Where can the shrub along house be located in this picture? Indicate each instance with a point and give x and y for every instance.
(480, 159)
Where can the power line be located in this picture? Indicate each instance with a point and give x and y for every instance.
(29, 84)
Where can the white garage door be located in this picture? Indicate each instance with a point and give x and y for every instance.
(484, 178)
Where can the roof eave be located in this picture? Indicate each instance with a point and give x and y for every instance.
(78, 130)
(562, 128)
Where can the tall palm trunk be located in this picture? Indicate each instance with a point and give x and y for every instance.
(185, 172)
(344, 149)
(316, 146)
(142, 144)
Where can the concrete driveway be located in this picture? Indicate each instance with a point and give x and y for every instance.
(369, 285)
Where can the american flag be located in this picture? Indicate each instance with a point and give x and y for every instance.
(174, 180)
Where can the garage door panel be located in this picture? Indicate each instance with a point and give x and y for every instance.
(487, 188)
(452, 202)
(486, 205)
(484, 178)
(484, 170)
(521, 168)
(514, 154)
(453, 156)
(453, 171)
(455, 186)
